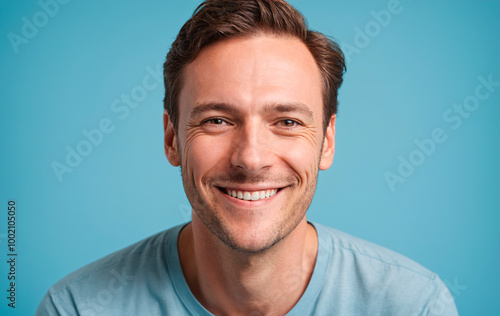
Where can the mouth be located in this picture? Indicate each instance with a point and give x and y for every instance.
(250, 195)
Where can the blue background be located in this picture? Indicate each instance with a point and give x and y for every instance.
(400, 82)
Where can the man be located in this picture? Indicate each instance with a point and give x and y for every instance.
(251, 97)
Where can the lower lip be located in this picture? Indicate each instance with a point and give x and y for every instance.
(250, 203)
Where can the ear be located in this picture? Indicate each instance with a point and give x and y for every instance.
(328, 151)
(171, 146)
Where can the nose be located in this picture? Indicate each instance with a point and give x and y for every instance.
(252, 150)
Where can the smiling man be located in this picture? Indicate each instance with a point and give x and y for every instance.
(251, 97)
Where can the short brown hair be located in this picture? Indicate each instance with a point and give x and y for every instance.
(216, 20)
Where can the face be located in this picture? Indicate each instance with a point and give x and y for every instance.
(250, 139)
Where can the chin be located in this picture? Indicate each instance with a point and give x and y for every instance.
(247, 244)
(249, 231)
(245, 237)
(251, 238)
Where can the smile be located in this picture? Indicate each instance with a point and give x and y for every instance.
(251, 195)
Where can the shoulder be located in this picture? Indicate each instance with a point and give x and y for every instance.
(387, 281)
(130, 259)
(116, 275)
(362, 251)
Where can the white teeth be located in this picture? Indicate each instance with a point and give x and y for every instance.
(247, 196)
(251, 196)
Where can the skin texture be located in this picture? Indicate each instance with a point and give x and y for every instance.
(250, 119)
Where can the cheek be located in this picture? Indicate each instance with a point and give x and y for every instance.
(302, 156)
(204, 154)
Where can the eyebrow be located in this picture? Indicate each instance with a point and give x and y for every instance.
(289, 108)
(269, 108)
(213, 106)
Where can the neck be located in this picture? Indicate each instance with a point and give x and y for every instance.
(229, 282)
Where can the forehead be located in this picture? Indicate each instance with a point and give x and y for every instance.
(252, 71)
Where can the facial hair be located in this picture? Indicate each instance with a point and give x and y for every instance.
(208, 210)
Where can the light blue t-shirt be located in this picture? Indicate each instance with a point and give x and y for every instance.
(351, 277)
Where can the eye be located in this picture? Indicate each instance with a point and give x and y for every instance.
(288, 123)
(215, 121)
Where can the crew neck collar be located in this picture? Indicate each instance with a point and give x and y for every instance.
(301, 308)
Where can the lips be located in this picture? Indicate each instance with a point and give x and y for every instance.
(250, 195)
